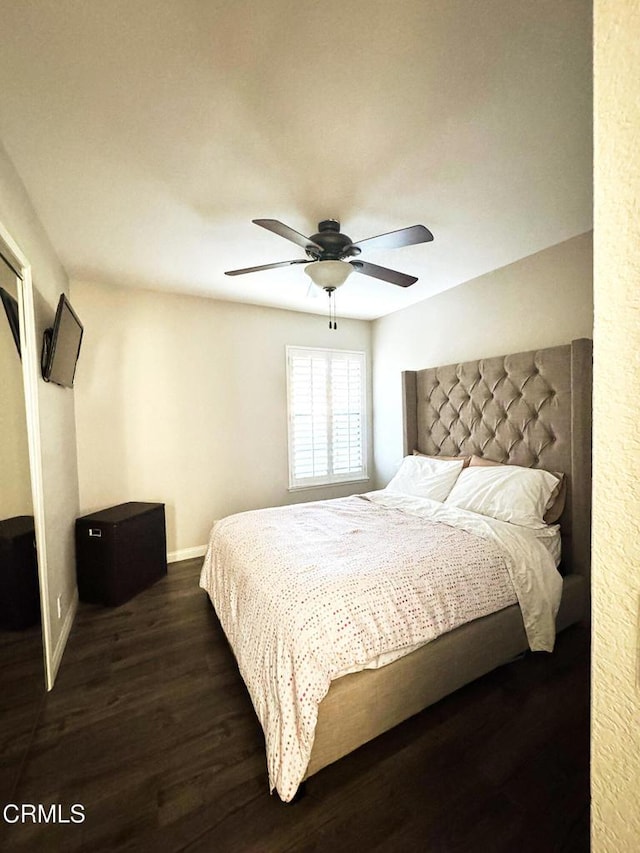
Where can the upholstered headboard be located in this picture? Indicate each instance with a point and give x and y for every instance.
(531, 409)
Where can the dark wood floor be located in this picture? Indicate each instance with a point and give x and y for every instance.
(22, 690)
(150, 728)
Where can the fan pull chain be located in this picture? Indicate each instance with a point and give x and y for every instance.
(332, 307)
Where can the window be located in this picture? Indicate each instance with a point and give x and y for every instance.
(327, 423)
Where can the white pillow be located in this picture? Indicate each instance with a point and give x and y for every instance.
(506, 492)
(424, 477)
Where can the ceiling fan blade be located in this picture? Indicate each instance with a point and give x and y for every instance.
(267, 267)
(283, 230)
(392, 276)
(395, 239)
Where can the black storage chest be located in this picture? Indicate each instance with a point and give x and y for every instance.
(19, 588)
(120, 551)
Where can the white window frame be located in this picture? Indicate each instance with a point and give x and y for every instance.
(296, 483)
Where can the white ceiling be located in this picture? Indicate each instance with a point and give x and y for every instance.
(150, 133)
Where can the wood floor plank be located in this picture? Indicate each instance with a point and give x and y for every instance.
(151, 728)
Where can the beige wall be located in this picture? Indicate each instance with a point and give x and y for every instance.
(56, 413)
(15, 481)
(183, 400)
(616, 527)
(540, 301)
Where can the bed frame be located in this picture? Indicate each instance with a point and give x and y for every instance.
(531, 409)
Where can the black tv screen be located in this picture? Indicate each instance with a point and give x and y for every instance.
(11, 309)
(62, 345)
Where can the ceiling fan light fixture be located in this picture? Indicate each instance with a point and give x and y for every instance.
(328, 274)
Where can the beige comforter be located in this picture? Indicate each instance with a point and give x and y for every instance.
(307, 592)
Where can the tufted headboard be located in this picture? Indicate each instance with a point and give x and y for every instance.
(531, 409)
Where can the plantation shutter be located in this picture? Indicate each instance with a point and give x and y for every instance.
(326, 390)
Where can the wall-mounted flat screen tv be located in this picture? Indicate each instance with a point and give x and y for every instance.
(61, 345)
(11, 310)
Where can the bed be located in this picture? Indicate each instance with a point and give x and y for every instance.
(529, 409)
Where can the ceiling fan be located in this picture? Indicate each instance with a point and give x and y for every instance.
(328, 251)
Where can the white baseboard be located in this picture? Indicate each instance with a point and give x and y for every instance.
(186, 554)
(62, 640)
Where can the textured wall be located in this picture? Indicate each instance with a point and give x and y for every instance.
(616, 531)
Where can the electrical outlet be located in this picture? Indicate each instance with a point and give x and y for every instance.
(59, 604)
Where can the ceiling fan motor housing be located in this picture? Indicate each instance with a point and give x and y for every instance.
(335, 245)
